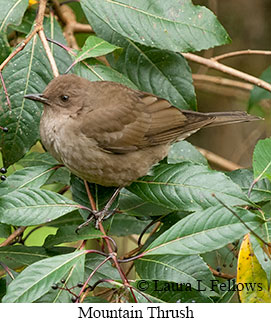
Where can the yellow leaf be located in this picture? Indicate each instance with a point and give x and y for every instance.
(251, 283)
(32, 2)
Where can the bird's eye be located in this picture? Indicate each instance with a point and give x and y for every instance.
(64, 98)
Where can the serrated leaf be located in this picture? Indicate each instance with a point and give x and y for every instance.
(28, 72)
(204, 231)
(33, 206)
(94, 47)
(173, 25)
(183, 150)
(244, 178)
(31, 177)
(163, 73)
(187, 187)
(38, 278)
(188, 270)
(251, 276)
(12, 12)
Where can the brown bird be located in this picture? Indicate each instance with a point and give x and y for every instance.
(109, 134)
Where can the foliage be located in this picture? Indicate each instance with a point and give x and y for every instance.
(200, 211)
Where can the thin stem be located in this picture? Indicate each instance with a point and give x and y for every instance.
(13, 236)
(241, 52)
(228, 70)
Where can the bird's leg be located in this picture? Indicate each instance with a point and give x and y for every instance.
(103, 214)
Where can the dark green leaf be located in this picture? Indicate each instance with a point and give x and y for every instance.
(190, 270)
(169, 292)
(5, 49)
(12, 12)
(163, 73)
(244, 178)
(187, 187)
(259, 94)
(68, 234)
(28, 72)
(37, 159)
(262, 159)
(17, 256)
(5, 230)
(182, 151)
(38, 278)
(173, 25)
(31, 177)
(204, 231)
(33, 206)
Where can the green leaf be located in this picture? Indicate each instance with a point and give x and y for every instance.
(5, 230)
(37, 159)
(100, 194)
(190, 270)
(68, 234)
(5, 49)
(94, 47)
(12, 12)
(169, 292)
(33, 206)
(259, 94)
(183, 150)
(174, 25)
(104, 272)
(95, 71)
(124, 225)
(17, 256)
(28, 72)
(161, 72)
(262, 159)
(187, 187)
(31, 177)
(133, 205)
(204, 231)
(244, 178)
(27, 22)
(38, 278)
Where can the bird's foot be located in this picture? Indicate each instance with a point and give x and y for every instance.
(97, 217)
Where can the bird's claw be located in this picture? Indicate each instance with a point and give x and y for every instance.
(98, 217)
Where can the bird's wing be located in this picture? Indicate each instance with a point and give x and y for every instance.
(132, 120)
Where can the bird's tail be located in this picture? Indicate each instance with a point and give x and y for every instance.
(222, 118)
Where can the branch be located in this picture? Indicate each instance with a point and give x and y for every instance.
(13, 236)
(241, 52)
(228, 70)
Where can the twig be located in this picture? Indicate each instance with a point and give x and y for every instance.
(218, 160)
(13, 236)
(222, 81)
(48, 52)
(241, 52)
(220, 273)
(228, 70)
(111, 252)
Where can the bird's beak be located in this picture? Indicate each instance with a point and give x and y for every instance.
(37, 97)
